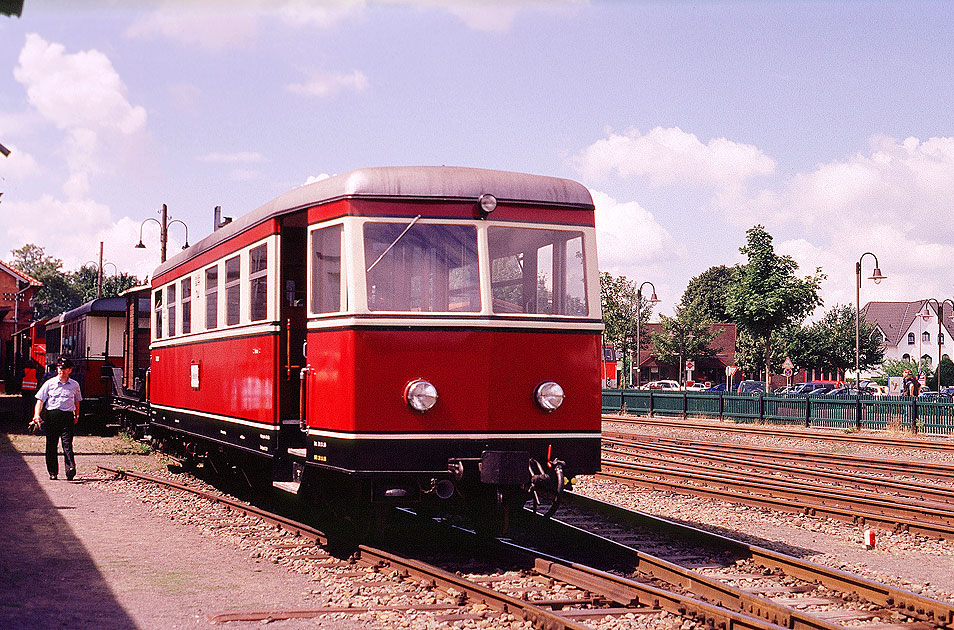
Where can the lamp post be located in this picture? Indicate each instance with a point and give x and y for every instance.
(926, 315)
(877, 277)
(163, 232)
(639, 306)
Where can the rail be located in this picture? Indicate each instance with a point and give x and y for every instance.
(835, 412)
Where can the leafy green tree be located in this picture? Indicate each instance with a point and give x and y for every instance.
(946, 368)
(685, 336)
(896, 367)
(618, 297)
(58, 293)
(86, 280)
(764, 294)
(707, 294)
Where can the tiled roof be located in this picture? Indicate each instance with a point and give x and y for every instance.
(895, 318)
(16, 273)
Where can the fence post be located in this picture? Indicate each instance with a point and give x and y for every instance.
(721, 405)
(651, 403)
(808, 411)
(685, 404)
(762, 408)
(858, 411)
(914, 414)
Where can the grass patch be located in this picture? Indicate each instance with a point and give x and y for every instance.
(128, 445)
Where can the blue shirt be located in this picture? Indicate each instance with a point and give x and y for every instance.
(62, 396)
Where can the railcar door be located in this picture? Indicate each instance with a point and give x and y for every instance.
(293, 321)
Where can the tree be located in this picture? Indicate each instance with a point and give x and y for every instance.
(618, 297)
(86, 280)
(58, 293)
(896, 367)
(685, 336)
(63, 290)
(764, 294)
(706, 294)
(946, 368)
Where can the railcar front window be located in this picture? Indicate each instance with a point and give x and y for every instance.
(537, 271)
(431, 268)
(326, 285)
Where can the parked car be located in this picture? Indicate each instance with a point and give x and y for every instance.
(721, 388)
(667, 385)
(818, 387)
(751, 387)
(786, 389)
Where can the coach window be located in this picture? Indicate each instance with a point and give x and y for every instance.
(326, 285)
(233, 291)
(186, 306)
(258, 282)
(157, 307)
(422, 267)
(171, 314)
(211, 297)
(537, 271)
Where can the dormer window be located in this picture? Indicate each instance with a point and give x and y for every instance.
(925, 337)
(910, 339)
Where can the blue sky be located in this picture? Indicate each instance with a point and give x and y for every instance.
(828, 122)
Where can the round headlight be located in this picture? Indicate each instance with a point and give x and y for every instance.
(549, 395)
(488, 203)
(420, 395)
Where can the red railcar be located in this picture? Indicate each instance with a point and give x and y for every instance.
(392, 333)
(30, 352)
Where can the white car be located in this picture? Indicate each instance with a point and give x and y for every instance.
(667, 385)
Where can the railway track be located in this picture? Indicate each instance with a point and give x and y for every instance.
(881, 440)
(785, 590)
(547, 590)
(898, 505)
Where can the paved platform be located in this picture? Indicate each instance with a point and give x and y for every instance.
(74, 555)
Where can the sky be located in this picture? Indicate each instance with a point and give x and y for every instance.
(830, 123)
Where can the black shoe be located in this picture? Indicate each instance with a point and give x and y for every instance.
(53, 477)
(70, 474)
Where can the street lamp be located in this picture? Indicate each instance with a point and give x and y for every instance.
(163, 232)
(926, 315)
(639, 306)
(877, 277)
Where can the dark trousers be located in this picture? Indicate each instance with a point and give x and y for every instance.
(59, 425)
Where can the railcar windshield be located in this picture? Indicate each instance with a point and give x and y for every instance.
(427, 268)
(537, 271)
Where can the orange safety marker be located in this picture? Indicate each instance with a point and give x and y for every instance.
(869, 539)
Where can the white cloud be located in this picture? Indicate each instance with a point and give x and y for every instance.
(241, 157)
(80, 90)
(628, 235)
(18, 165)
(490, 15)
(325, 84)
(209, 27)
(316, 178)
(673, 157)
(323, 15)
(82, 95)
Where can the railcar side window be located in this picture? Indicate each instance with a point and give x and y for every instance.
(431, 268)
(233, 291)
(157, 307)
(186, 306)
(171, 301)
(326, 285)
(537, 271)
(211, 297)
(258, 282)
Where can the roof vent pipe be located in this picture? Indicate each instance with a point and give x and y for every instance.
(219, 221)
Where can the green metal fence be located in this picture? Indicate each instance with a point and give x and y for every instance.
(836, 412)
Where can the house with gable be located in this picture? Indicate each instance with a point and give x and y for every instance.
(16, 312)
(909, 330)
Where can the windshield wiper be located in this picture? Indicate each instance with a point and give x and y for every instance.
(393, 243)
